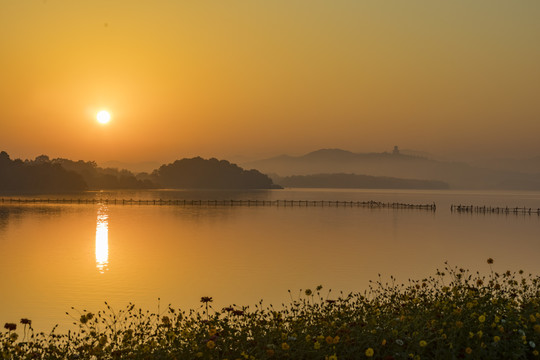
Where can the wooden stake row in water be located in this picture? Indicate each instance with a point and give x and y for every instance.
(493, 210)
(304, 203)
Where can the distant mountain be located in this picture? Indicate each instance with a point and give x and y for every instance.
(210, 174)
(417, 153)
(135, 167)
(398, 165)
(338, 161)
(353, 181)
(330, 155)
(528, 165)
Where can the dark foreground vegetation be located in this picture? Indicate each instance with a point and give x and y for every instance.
(45, 175)
(454, 315)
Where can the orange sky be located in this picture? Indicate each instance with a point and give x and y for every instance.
(259, 78)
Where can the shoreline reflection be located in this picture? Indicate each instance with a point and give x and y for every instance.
(102, 240)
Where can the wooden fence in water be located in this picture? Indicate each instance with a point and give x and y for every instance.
(474, 209)
(178, 202)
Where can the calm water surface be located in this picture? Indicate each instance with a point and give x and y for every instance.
(58, 256)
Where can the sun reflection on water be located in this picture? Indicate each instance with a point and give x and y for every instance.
(102, 240)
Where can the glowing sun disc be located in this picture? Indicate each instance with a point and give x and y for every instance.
(103, 117)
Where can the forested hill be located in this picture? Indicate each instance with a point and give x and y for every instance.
(210, 174)
(44, 175)
(17, 176)
(99, 178)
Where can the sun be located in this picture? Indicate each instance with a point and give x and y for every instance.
(103, 117)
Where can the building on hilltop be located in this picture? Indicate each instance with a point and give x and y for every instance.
(395, 151)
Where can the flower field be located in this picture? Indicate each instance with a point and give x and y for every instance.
(455, 314)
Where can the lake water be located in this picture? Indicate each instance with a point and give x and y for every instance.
(54, 257)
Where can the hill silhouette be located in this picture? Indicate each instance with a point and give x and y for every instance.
(210, 174)
(134, 167)
(353, 181)
(43, 175)
(525, 165)
(98, 178)
(38, 176)
(457, 174)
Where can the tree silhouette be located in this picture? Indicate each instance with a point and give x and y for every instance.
(210, 174)
(37, 176)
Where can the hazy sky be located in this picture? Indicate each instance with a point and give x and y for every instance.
(259, 78)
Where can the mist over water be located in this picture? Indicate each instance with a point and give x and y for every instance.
(61, 256)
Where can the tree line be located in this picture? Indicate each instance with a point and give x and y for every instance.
(45, 175)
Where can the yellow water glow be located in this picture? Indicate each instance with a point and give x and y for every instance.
(103, 117)
(102, 240)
